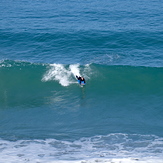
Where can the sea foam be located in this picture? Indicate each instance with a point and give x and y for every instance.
(64, 74)
(112, 148)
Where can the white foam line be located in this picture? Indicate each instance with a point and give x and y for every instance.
(116, 160)
(52, 150)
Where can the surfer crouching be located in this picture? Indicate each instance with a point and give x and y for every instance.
(81, 80)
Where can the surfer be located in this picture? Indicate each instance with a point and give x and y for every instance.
(80, 79)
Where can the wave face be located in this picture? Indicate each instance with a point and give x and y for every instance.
(121, 99)
(28, 80)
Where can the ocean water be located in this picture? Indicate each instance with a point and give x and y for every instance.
(46, 117)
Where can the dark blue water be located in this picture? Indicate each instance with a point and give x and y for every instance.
(46, 116)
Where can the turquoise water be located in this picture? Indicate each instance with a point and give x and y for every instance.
(45, 116)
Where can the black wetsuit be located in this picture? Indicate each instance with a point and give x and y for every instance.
(80, 79)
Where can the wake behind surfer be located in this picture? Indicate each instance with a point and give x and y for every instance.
(80, 79)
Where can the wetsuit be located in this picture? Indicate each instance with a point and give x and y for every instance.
(80, 79)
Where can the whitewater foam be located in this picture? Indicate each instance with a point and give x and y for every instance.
(58, 72)
(75, 69)
(113, 148)
(64, 74)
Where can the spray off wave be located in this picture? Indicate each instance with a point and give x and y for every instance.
(64, 74)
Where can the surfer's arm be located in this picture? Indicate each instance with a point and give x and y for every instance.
(77, 77)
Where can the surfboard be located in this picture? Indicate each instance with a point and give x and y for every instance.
(82, 82)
